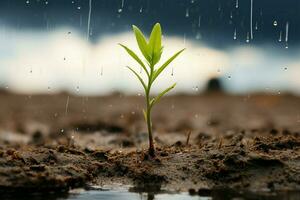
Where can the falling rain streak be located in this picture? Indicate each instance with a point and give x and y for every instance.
(280, 36)
(234, 34)
(122, 6)
(199, 21)
(286, 34)
(187, 13)
(89, 20)
(251, 20)
(67, 105)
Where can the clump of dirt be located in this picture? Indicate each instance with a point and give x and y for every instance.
(205, 142)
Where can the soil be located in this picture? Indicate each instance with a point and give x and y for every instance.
(57, 142)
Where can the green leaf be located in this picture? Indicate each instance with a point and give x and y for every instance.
(155, 43)
(134, 56)
(156, 99)
(161, 69)
(138, 76)
(142, 43)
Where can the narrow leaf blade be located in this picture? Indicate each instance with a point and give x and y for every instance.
(161, 69)
(135, 57)
(156, 99)
(142, 43)
(138, 76)
(155, 43)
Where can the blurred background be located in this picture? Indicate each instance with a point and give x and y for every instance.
(50, 46)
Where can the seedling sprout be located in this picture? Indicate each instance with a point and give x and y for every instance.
(152, 51)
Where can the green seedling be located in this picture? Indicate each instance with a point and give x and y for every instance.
(152, 51)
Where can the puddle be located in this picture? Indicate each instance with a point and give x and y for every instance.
(125, 194)
(215, 195)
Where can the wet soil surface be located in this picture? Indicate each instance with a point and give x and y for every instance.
(57, 142)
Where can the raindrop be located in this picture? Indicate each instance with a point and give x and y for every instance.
(198, 36)
(77, 88)
(187, 13)
(122, 6)
(121, 116)
(231, 16)
(46, 2)
(256, 26)
(195, 88)
(247, 39)
(141, 9)
(234, 34)
(286, 34)
(62, 130)
(78, 7)
(218, 70)
(280, 36)
(172, 73)
(237, 4)
(275, 23)
(285, 68)
(132, 112)
(27, 2)
(101, 71)
(172, 106)
(199, 21)
(229, 77)
(49, 88)
(279, 93)
(139, 94)
(196, 116)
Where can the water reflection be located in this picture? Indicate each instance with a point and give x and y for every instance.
(124, 194)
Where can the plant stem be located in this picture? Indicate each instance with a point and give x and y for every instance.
(149, 123)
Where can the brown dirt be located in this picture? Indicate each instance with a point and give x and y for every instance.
(240, 142)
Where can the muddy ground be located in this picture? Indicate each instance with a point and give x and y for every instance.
(57, 142)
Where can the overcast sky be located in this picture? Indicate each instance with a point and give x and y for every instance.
(45, 48)
(215, 21)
